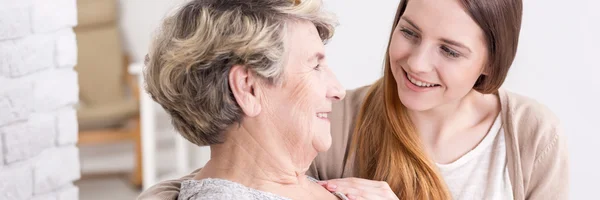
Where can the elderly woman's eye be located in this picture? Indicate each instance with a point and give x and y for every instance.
(318, 67)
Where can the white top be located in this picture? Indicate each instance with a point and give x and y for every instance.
(482, 173)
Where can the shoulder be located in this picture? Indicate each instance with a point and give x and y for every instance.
(536, 129)
(220, 189)
(529, 114)
(206, 189)
(528, 108)
(537, 147)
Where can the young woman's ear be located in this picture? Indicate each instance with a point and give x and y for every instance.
(486, 71)
(243, 84)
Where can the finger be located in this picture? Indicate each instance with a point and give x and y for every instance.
(352, 184)
(351, 197)
(359, 181)
(331, 187)
(351, 192)
(367, 191)
(350, 188)
(361, 187)
(384, 193)
(373, 196)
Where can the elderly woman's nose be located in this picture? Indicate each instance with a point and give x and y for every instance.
(335, 90)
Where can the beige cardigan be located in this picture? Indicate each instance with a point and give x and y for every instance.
(536, 149)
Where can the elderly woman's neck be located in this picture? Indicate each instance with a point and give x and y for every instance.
(255, 160)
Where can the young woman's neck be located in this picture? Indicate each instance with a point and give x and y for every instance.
(451, 118)
(255, 160)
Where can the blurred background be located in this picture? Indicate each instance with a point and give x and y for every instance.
(95, 48)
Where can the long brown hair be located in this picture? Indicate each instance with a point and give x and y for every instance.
(387, 146)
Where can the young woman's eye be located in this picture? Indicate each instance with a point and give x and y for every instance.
(449, 52)
(408, 33)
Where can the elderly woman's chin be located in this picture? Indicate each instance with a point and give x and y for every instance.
(322, 141)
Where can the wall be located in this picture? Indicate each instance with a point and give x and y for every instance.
(38, 88)
(556, 63)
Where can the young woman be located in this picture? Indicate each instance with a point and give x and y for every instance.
(438, 125)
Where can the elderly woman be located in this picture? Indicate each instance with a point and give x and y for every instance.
(249, 78)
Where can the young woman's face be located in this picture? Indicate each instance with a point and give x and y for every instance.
(436, 53)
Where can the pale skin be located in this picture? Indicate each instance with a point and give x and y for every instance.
(284, 126)
(445, 48)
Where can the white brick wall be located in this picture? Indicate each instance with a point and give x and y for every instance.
(38, 91)
(49, 176)
(54, 15)
(16, 181)
(68, 193)
(24, 140)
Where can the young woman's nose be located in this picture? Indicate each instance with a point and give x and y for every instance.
(419, 59)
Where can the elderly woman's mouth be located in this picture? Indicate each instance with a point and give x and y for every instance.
(322, 115)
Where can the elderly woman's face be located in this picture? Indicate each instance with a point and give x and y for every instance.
(300, 106)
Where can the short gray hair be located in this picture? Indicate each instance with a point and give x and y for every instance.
(190, 58)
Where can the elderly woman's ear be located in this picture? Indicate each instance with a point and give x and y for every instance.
(244, 86)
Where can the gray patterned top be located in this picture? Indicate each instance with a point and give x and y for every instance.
(221, 189)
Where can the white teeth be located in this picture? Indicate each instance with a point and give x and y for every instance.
(322, 115)
(419, 83)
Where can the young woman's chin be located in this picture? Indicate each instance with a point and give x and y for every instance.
(413, 103)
